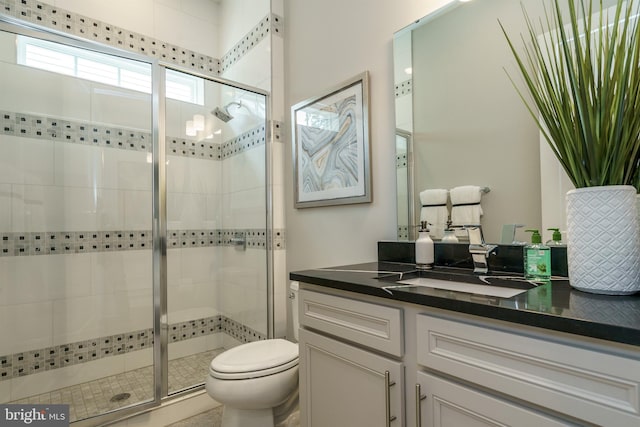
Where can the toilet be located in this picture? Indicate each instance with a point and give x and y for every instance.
(257, 382)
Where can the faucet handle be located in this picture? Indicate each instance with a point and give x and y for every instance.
(475, 234)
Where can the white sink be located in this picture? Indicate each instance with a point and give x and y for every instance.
(494, 291)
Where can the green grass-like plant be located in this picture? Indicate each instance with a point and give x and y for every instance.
(585, 91)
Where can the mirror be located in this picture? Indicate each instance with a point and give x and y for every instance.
(404, 182)
(467, 122)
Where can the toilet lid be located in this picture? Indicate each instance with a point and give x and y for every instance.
(258, 358)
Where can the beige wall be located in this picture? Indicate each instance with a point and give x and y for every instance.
(327, 42)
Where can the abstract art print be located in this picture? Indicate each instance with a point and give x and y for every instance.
(331, 146)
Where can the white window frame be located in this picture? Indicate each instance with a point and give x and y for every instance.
(124, 72)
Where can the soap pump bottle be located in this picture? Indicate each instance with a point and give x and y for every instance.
(424, 248)
(537, 258)
(449, 234)
(556, 238)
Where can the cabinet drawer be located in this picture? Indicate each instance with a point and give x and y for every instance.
(448, 404)
(372, 325)
(585, 383)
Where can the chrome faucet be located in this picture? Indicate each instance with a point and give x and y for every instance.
(478, 249)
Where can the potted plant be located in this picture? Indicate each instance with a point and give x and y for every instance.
(582, 87)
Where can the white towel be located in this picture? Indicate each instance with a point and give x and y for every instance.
(434, 210)
(465, 205)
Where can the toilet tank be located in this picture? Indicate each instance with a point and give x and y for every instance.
(293, 303)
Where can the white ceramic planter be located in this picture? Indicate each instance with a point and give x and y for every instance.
(603, 240)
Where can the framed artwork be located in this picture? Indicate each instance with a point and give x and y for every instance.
(331, 162)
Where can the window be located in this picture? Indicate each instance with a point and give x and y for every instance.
(107, 69)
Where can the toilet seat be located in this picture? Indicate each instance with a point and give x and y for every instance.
(255, 359)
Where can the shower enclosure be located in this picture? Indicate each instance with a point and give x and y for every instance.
(134, 225)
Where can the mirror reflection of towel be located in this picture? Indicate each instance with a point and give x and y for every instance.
(434, 210)
(465, 205)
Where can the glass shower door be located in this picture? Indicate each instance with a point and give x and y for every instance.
(75, 227)
(216, 223)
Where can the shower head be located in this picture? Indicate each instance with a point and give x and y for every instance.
(223, 112)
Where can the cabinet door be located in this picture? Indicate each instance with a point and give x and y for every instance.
(448, 404)
(341, 385)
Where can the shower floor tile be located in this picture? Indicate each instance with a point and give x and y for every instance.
(100, 396)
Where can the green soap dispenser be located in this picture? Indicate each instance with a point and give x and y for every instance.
(556, 238)
(537, 258)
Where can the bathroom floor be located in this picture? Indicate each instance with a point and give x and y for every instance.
(107, 394)
(213, 418)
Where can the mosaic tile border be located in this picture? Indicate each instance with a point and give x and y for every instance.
(63, 242)
(255, 238)
(279, 239)
(50, 358)
(276, 131)
(76, 132)
(271, 23)
(404, 88)
(52, 243)
(244, 142)
(92, 29)
(56, 18)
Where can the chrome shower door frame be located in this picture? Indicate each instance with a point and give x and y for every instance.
(159, 209)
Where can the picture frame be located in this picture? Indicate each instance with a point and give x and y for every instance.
(331, 146)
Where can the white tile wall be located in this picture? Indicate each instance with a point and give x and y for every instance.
(42, 382)
(137, 210)
(278, 181)
(45, 93)
(44, 278)
(83, 318)
(5, 207)
(280, 296)
(120, 107)
(245, 171)
(242, 288)
(238, 17)
(244, 209)
(33, 330)
(279, 113)
(249, 69)
(188, 24)
(136, 17)
(193, 176)
(277, 88)
(118, 271)
(186, 210)
(5, 391)
(196, 345)
(26, 161)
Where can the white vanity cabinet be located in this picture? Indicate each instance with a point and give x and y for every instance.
(345, 380)
(571, 377)
(370, 361)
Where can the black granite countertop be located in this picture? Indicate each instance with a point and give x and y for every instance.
(555, 306)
